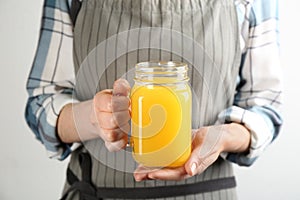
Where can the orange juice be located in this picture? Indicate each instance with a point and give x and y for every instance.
(161, 121)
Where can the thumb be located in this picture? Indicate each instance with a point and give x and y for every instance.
(192, 165)
(197, 163)
(121, 87)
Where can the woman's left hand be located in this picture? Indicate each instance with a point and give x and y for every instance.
(208, 143)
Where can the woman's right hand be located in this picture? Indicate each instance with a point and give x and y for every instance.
(106, 116)
(112, 115)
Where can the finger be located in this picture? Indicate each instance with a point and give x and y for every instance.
(103, 101)
(206, 149)
(121, 118)
(193, 163)
(125, 128)
(120, 103)
(169, 174)
(121, 87)
(139, 176)
(197, 164)
(141, 173)
(112, 135)
(106, 120)
(113, 120)
(118, 145)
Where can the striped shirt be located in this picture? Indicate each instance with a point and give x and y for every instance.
(258, 93)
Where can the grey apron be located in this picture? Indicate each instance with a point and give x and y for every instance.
(110, 37)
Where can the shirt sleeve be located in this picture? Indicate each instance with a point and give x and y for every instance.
(51, 80)
(259, 87)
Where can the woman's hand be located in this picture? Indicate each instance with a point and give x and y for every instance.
(112, 115)
(208, 143)
(107, 116)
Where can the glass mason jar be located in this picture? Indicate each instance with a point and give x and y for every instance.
(161, 114)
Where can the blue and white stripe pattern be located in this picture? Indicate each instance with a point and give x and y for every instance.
(51, 79)
(258, 94)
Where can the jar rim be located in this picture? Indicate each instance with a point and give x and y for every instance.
(161, 71)
(161, 65)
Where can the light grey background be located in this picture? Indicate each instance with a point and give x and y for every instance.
(27, 173)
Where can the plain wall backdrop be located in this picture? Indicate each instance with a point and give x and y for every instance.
(27, 173)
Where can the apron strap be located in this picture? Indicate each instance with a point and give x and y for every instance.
(85, 187)
(74, 10)
(87, 190)
(167, 191)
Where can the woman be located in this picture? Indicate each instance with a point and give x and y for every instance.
(238, 46)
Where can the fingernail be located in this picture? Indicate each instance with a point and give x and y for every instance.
(193, 168)
(138, 179)
(151, 177)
